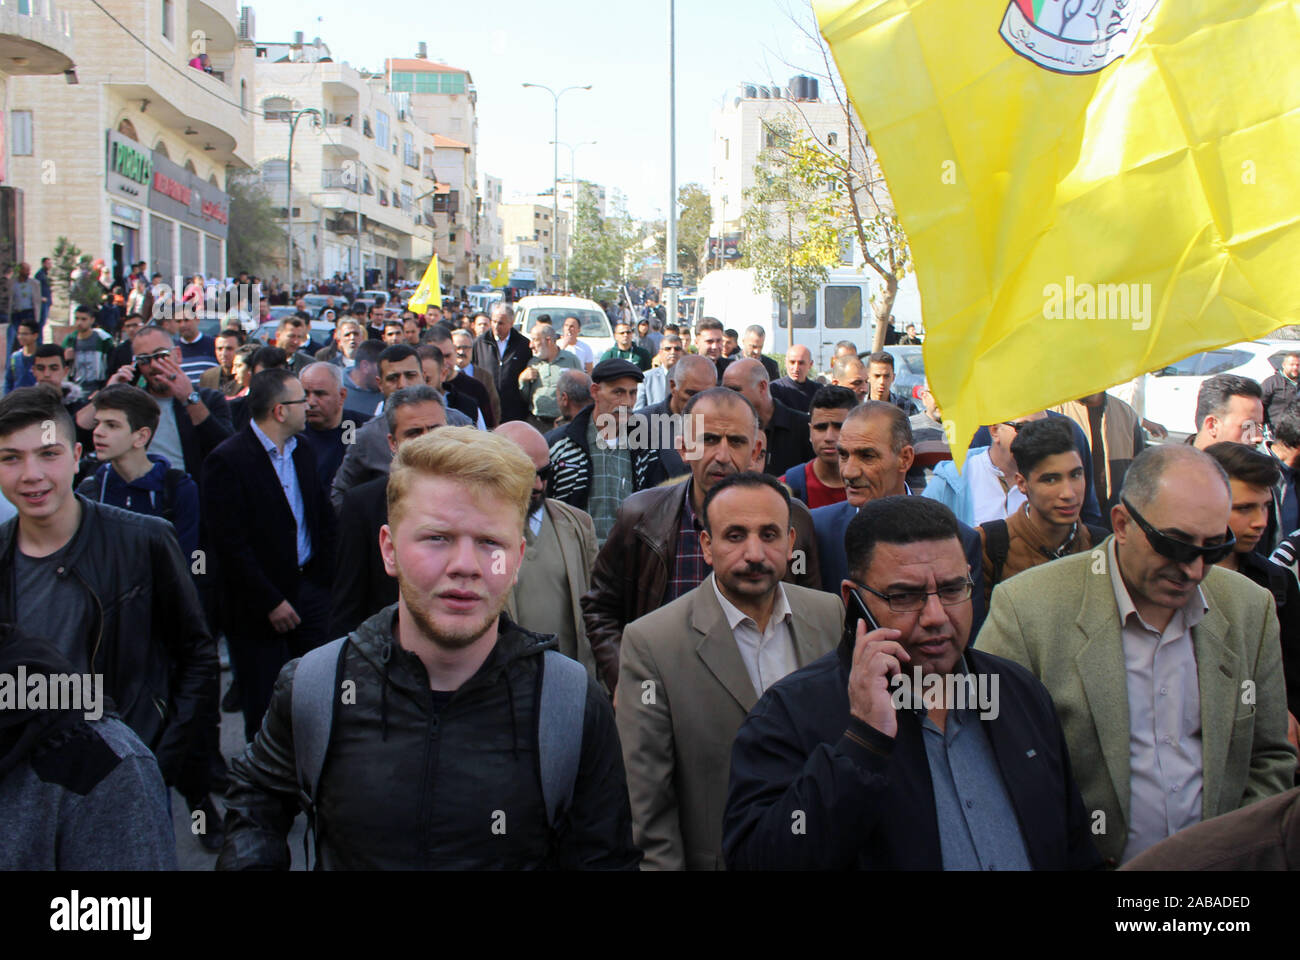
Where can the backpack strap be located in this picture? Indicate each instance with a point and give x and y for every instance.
(171, 483)
(998, 543)
(315, 684)
(559, 730)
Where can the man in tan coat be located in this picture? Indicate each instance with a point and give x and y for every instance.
(691, 671)
(1166, 671)
(560, 547)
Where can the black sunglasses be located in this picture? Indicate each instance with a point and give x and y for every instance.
(545, 473)
(1180, 551)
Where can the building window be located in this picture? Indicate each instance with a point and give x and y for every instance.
(427, 81)
(168, 19)
(127, 129)
(832, 139)
(381, 127)
(243, 94)
(20, 122)
(277, 108)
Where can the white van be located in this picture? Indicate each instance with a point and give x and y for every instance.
(595, 330)
(841, 310)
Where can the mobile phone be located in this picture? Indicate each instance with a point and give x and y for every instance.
(858, 611)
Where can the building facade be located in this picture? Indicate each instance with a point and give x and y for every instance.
(130, 162)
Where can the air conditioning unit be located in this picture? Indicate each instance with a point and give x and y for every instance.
(247, 29)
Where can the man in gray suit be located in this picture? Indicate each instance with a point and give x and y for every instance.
(1166, 671)
(559, 550)
(690, 671)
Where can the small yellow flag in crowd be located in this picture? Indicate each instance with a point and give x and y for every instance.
(1091, 190)
(429, 292)
(500, 272)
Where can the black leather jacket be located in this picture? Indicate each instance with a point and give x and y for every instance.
(406, 786)
(148, 636)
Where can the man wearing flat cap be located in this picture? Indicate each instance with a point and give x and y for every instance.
(598, 458)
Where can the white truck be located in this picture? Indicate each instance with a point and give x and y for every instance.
(840, 310)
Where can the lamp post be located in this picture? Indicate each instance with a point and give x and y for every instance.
(573, 197)
(669, 294)
(294, 117)
(555, 183)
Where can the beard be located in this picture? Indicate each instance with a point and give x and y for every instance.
(418, 604)
(535, 500)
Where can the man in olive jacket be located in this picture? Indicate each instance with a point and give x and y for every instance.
(1166, 671)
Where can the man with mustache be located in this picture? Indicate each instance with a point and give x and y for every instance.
(875, 452)
(434, 759)
(1167, 673)
(653, 553)
(691, 670)
(905, 749)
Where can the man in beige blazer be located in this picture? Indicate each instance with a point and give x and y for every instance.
(690, 671)
(560, 548)
(1166, 671)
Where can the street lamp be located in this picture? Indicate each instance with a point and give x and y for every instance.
(573, 199)
(294, 117)
(555, 183)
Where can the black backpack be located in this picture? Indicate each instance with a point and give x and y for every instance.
(997, 541)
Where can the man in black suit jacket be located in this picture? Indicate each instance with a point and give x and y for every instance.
(269, 522)
(504, 352)
(362, 587)
(787, 433)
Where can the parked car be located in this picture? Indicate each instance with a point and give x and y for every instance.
(1169, 394)
(909, 369)
(322, 332)
(595, 331)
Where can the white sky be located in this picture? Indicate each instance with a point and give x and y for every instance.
(618, 46)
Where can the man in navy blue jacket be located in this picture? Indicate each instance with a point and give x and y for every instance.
(875, 448)
(904, 749)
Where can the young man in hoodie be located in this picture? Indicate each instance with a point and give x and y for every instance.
(132, 478)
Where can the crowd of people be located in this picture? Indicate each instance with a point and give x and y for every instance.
(492, 600)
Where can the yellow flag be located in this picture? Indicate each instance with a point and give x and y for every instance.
(500, 272)
(1091, 189)
(429, 292)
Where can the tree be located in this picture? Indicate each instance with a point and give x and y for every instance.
(65, 257)
(695, 216)
(792, 224)
(600, 244)
(254, 235)
(860, 195)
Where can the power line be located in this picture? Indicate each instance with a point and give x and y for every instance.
(179, 72)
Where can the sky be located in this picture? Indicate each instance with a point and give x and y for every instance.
(617, 46)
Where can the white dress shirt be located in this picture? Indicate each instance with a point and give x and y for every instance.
(1166, 773)
(992, 495)
(768, 656)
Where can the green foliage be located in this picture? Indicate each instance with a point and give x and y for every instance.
(254, 237)
(600, 244)
(65, 257)
(86, 289)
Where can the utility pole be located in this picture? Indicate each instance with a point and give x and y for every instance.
(555, 182)
(293, 128)
(670, 247)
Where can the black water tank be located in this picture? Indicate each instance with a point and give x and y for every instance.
(749, 91)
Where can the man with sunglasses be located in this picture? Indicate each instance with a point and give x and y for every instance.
(1166, 672)
(194, 420)
(270, 525)
(904, 748)
(559, 552)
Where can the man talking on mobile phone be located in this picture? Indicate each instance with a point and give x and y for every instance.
(904, 749)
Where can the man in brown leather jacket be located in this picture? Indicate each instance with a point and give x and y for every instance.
(652, 555)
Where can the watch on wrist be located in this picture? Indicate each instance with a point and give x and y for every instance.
(192, 399)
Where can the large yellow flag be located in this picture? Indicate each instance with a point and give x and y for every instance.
(1092, 189)
(500, 272)
(429, 292)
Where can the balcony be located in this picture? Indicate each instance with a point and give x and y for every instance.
(339, 180)
(35, 38)
(218, 22)
(411, 159)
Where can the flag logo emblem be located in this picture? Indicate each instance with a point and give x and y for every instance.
(1074, 36)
